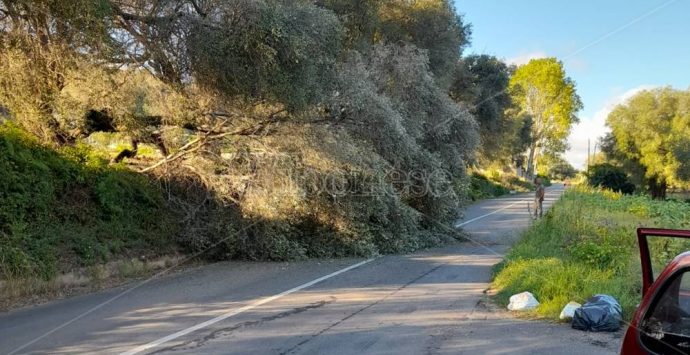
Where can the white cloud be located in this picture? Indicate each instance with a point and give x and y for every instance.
(594, 127)
(524, 58)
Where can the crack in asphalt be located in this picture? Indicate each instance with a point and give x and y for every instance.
(223, 332)
(353, 314)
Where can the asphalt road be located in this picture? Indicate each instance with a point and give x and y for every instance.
(430, 302)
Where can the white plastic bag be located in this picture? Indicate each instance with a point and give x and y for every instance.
(522, 302)
(569, 310)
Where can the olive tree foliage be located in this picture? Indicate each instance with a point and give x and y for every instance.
(394, 102)
(360, 18)
(267, 50)
(277, 50)
(542, 91)
(77, 25)
(433, 25)
(653, 129)
(251, 50)
(480, 82)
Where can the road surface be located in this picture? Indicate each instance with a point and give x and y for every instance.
(430, 302)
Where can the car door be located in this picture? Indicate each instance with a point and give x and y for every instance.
(661, 324)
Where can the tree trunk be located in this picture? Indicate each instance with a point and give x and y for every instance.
(658, 188)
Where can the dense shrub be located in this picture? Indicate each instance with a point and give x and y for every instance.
(494, 185)
(610, 177)
(481, 187)
(60, 210)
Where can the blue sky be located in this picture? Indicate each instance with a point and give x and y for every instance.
(611, 48)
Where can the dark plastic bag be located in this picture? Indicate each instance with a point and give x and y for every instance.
(601, 313)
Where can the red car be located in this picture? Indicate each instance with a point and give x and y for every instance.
(661, 324)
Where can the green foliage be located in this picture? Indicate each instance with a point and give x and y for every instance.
(432, 25)
(543, 92)
(545, 180)
(586, 244)
(78, 23)
(360, 18)
(609, 177)
(281, 51)
(481, 187)
(481, 81)
(56, 211)
(562, 170)
(410, 122)
(495, 185)
(650, 131)
(553, 165)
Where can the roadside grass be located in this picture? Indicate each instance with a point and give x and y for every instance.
(493, 184)
(585, 245)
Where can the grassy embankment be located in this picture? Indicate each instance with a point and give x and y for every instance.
(586, 245)
(67, 209)
(493, 184)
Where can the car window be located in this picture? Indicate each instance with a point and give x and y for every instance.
(666, 326)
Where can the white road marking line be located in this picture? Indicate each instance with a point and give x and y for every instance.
(488, 214)
(237, 311)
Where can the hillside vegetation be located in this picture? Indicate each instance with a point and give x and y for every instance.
(70, 209)
(494, 185)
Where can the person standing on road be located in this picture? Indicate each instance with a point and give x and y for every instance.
(538, 198)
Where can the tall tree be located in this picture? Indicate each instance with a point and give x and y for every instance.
(39, 41)
(433, 25)
(543, 91)
(360, 19)
(653, 130)
(481, 83)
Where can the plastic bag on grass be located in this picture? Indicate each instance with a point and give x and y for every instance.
(522, 302)
(569, 310)
(601, 313)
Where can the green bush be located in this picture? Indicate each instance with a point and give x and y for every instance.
(60, 210)
(481, 187)
(610, 177)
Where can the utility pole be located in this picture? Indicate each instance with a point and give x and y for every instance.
(588, 155)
